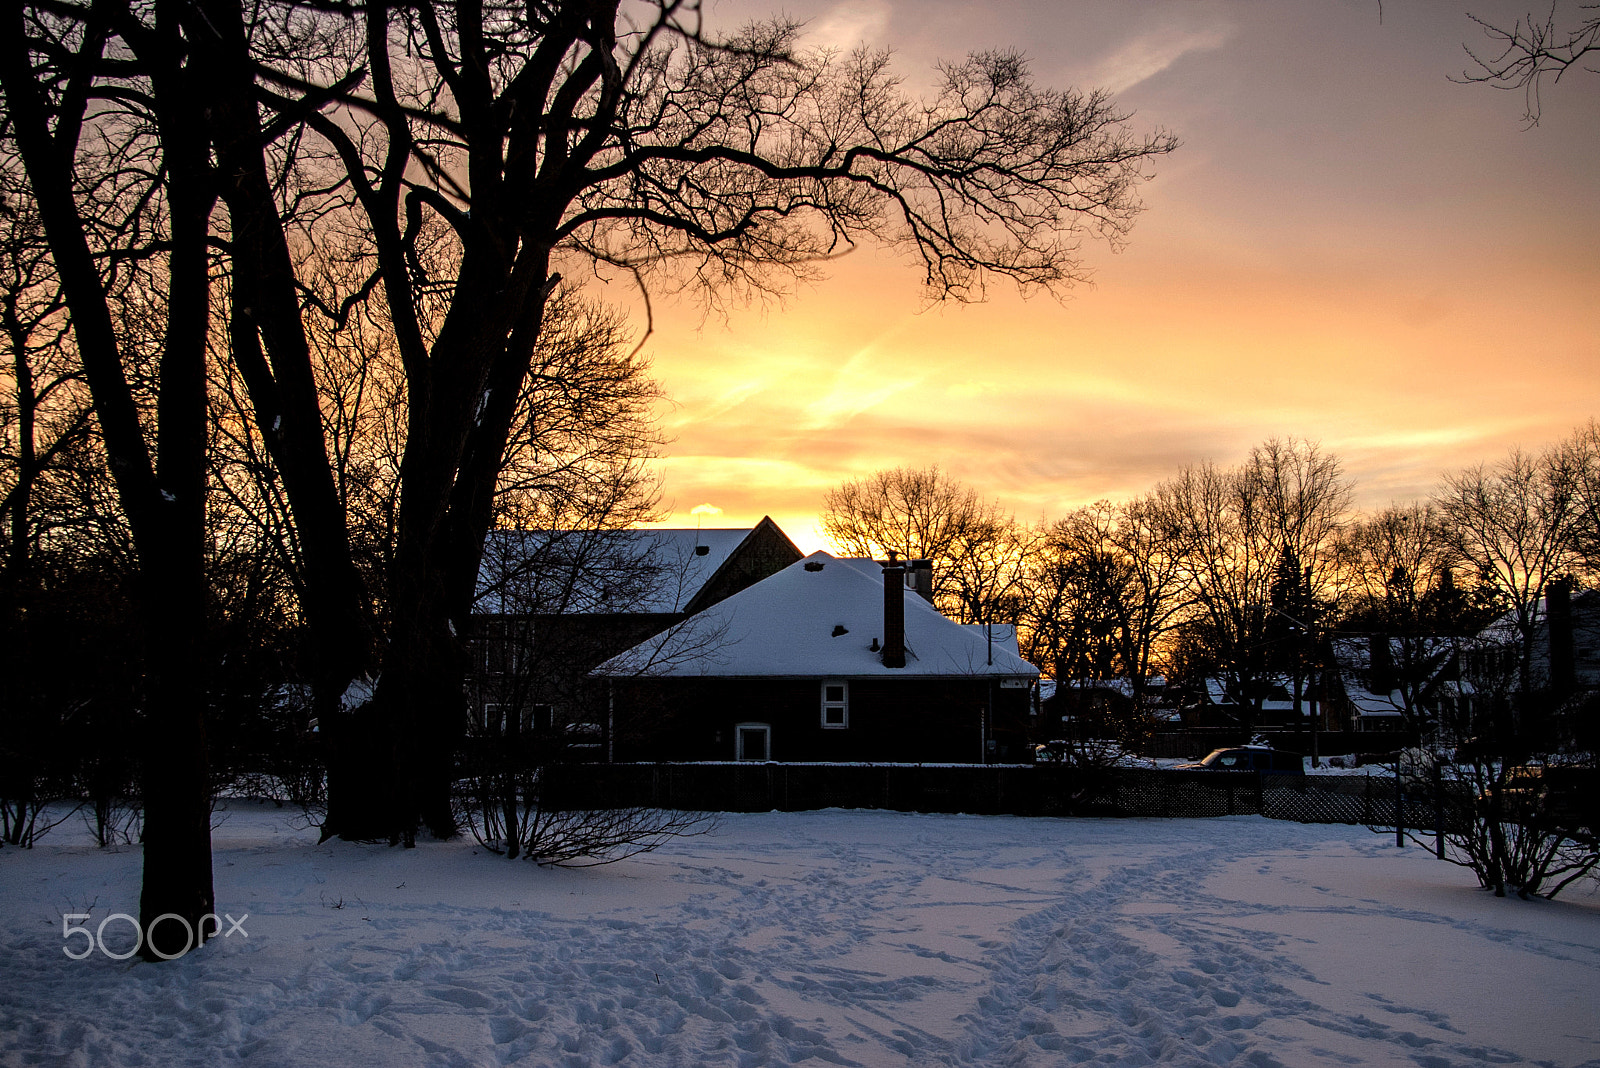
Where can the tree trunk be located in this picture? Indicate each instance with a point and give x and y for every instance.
(163, 495)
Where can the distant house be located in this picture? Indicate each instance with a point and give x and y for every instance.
(553, 604)
(1094, 708)
(1220, 703)
(1564, 652)
(1387, 683)
(1562, 658)
(827, 660)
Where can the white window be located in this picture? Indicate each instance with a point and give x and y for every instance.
(498, 647)
(835, 704)
(491, 721)
(753, 741)
(539, 718)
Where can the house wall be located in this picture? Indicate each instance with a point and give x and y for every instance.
(548, 658)
(766, 551)
(525, 661)
(1585, 643)
(903, 720)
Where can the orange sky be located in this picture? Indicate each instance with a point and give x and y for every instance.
(1349, 248)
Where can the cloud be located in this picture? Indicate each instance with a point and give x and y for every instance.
(851, 23)
(860, 385)
(1149, 54)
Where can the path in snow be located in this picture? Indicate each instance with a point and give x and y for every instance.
(835, 937)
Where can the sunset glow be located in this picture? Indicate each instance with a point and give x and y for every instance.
(1348, 247)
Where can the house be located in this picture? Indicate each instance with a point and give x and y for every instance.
(1099, 708)
(1557, 660)
(1219, 703)
(1391, 683)
(827, 660)
(1564, 646)
(553, 604)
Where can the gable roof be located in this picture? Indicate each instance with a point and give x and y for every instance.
(1431, 665)
(594, 572)
(784, 626)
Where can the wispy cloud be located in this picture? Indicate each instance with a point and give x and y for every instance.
(859, 386)
(1151, 53)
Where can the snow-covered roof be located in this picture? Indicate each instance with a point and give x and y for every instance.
(1429, 658)
(589, 572)
(819, 617)
(1504, 628)
(1277, 698)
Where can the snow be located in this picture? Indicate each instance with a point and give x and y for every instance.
(600, 571)
(819, 617)
(835, 937)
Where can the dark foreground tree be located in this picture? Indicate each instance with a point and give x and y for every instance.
(580, 135)
(478, 150)
(59, 79)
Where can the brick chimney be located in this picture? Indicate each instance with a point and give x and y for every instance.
(894, 613)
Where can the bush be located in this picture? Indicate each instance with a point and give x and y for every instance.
(1522, 828)
(503, 797)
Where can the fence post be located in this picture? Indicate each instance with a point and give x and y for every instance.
(1438, 812)
(1399, 810)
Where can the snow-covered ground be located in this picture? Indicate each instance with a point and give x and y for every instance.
(856, 938)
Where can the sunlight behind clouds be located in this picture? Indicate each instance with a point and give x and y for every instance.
(859, 386)
(1348, 248)
(850, 23)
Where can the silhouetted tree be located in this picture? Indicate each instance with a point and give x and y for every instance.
(1234, 531)
(1521, 56)
(115, 150)
(1105, 590)
(1514, 523)
(477, 151)
(978, 551)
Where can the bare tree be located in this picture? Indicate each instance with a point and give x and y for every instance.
(924, 514)
(1514, 523)
(477, 152)
(1521, 56)
(1524, 829)
(1404, 595)
(1581, 452)
(1105, 589)
(1070, 623)
(115, 152)
(1241, 534)
(44, 413)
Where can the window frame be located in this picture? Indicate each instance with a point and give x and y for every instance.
(738, 741)
(843, 705)
(492, 725)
